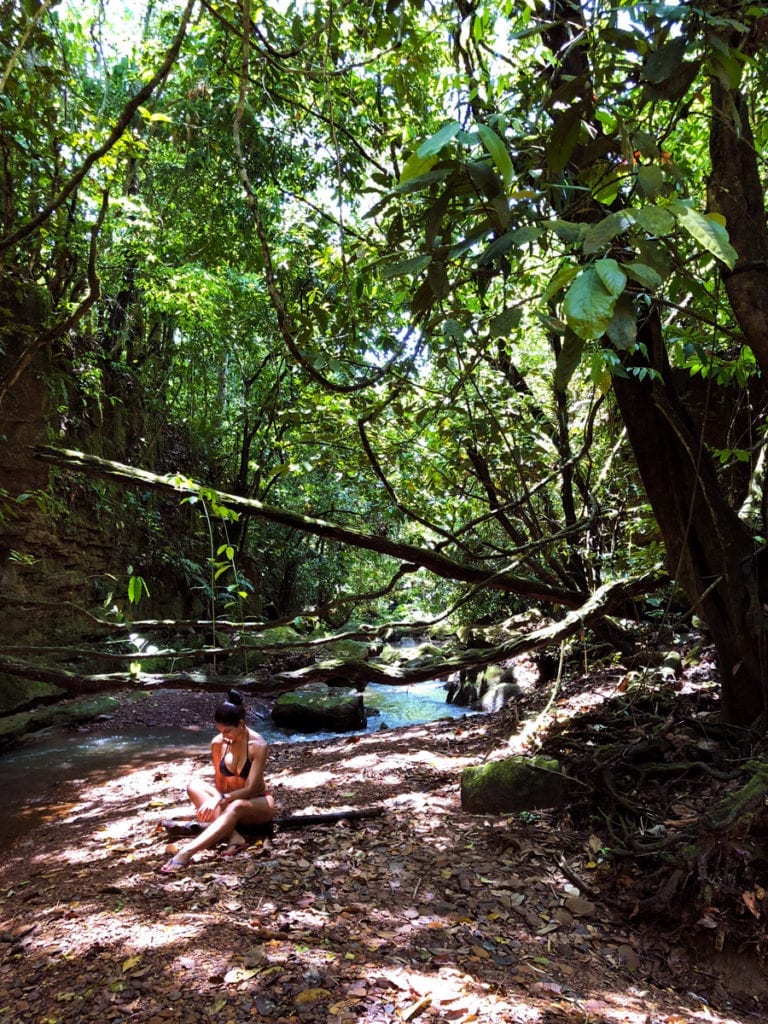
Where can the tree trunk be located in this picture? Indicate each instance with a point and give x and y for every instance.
(736, 191)
(710, 551)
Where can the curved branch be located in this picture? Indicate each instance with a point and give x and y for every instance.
(597, 605)
(425, 558)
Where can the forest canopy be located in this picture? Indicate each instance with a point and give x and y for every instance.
(481, 287)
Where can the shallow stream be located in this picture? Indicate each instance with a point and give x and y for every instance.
(33, 774)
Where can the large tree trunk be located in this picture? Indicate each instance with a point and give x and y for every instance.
(736, 191)
(710, 551)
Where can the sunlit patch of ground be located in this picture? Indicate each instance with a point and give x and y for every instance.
(418, 913)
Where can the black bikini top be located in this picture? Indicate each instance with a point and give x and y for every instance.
(243, 773)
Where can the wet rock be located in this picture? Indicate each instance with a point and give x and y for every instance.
(317, 707)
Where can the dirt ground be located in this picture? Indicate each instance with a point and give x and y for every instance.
(421, 911)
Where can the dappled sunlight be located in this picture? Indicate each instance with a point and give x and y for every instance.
(303, 780)
(423, 911)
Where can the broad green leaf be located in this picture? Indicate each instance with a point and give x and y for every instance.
(418, 182)
(485, 179)
(562, 141)
(568, 231)
(612, 276)
(654, 254)
(571, 89)
(505, 322)
(416, 166)
(707, 231)
(563, 277)
(411, 266)
(422, 299)
(650, 179)
(568, 360)
(600, 234)
(607, 192)
(434, 219)
(728, 69)
(498, 150)
(644, 275)
(438, 279)
(432, 146)
(588, 305)
(646, 145)
(453, 329)
(664, 62)
(656, 220)
(497, 248)
(599, 373)
(527, 233)
(622, 330)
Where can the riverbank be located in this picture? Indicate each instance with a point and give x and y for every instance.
(423, 911)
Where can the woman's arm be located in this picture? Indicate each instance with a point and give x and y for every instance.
(216, 755)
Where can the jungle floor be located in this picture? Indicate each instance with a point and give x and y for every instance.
(422, 911)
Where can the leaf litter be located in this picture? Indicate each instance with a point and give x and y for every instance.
(422, 913)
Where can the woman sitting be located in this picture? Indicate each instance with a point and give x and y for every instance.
(238, 794)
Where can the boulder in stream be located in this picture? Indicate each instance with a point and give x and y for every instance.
(318, 708)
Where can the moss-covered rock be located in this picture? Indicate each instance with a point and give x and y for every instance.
(13, 728)
(17, 694)
(317, 707)
(512, 785)
(347, 650)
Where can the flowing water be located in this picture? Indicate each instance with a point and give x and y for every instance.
(33, 774)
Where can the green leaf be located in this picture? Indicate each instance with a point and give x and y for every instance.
(416, 166)
(612, 276)
(707, 231)
(562, 141)
(644, 275)
(418, 182)
(664, 62)
(728, 69)
(432, 146)
(497, 248)
(600, 234)
(568, 360)
(568, 231)
(438, 279)
(505, 322)
(588, 305)
(622, 330)
(563, 277)
(656, 220)
(453, 329)
(650, 180)
(498, 151)
(411, 266)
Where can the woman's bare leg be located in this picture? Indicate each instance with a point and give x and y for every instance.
(199, 791)
(259, 811)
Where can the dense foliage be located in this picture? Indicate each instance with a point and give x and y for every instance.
(477, 279)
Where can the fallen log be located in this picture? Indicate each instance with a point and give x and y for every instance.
(327, 818)
(189, 826)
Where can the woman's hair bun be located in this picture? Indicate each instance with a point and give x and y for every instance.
(235, 697)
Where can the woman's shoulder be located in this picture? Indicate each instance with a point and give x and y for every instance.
(256, 739)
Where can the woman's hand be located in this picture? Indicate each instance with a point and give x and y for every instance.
(210, 809)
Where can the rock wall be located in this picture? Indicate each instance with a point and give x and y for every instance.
(67, 540)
